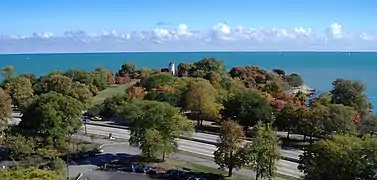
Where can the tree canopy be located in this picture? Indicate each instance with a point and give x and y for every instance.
(52, 117)
(154, 126)
(229, 148)
(249, 108)
(5, 106)
(20, 89)
(344, 157)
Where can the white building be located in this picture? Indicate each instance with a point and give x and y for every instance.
(172, 68)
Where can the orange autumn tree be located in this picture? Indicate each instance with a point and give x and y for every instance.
(135, 92)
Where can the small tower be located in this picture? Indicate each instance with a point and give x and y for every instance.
(172, 68)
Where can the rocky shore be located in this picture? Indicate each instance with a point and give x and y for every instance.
(303, 88)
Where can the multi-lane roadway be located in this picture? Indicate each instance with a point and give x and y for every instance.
(212, 138)
(203, 149)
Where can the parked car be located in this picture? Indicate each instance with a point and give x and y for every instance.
(143, 169)
(175, 174)
(130, 167)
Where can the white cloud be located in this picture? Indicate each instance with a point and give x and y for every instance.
(335, 30)
(221, 37)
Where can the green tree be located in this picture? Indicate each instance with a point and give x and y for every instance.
(110, 78)
(5, 107)
(157, 80)
(99, 79)
(185, 69)
(273, 87)
(279, 72)
(210, 64)
(29, 174)
(152, 122)
(229, 147)
(79, 75)
(351, 93)
(81, 92)
(294, 80)
(20, 146)
(340, 119)
(20, 89)
(57, 83)
(32, 78)
(7, 72)
(167, 94)
(248, 108)
(200, 99)
(305, 121)
(264, 152)
(112, 105)
(344, 157)
(59, 167)
(368, 125)
(127, 68)
(286, 119)
(52, 117)
(323, 99)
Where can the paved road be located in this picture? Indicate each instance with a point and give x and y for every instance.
(284, 167)
(292, 153)
(113, 150)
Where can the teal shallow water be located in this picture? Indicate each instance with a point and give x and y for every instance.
(319, 69)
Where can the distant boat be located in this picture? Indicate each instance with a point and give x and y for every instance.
(27, 58)
(349, 54)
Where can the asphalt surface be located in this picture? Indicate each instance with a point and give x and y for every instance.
(284, 167)
(113, 150)
(207, 150)
(291, 153)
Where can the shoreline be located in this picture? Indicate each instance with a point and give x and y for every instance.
(309, 91)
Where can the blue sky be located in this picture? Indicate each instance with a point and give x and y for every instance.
(23, 18)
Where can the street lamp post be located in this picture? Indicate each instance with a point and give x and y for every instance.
(67, 154)
(86, 129)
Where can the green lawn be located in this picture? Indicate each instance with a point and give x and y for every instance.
(109, 92)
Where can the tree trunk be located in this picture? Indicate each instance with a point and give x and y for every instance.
(257, 174)
(163, 156)
(198, 123)
(288, 133)
(230, 165)
(230, 171)
(304, 138)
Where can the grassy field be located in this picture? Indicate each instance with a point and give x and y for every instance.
(109, 92)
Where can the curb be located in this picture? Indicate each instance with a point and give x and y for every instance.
(110, 144)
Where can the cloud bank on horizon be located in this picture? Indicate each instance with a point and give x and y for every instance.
(220, 37)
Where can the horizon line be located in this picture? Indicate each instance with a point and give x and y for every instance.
(215, 51)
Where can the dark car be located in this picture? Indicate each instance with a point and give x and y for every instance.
(143, 169)
(176, 174)
(130, 167)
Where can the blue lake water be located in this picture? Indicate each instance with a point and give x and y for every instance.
(318, 69)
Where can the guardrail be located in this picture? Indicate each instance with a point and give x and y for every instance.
(182, 137)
